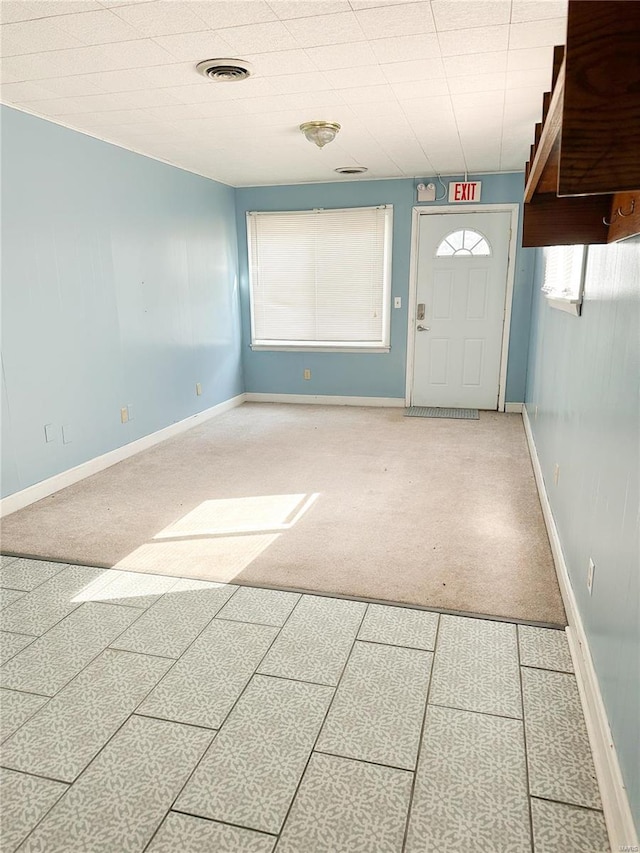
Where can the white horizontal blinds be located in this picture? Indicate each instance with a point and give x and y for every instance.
(563, 271)
(282, 276)
(350, 275)
(320, 276)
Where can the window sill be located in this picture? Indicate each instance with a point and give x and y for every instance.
(571, 306)
(319, 348)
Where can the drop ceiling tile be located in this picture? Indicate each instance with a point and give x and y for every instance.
(14, 93)
(533, 10)
(254, 37)
(25, 10)
(530, 57)
(230, 13)
(389, 131)
(403, 48)
(280, 62)
(138, 132)
(475, 40)
(34, 36)
(213, 109)
(326, 29)
(368, 94)
(434, 110)
(194, 46)
(484, 163)
(368, 4)
(161, 17)
(462, 14)
(416, 69)
(146, 98)
(312, 81)
(448, 162)
(97, 27)
(475, 63)
(304, 102)
(336, 56)
(115, 81)
(374, 114)
(18, 69)
(101, 103)
(176, 74)
(100, 120)
(174, 112)
(363, 75)
(538, 33)
(196, 94)
(253, 87)
(539, 78)
(420, 89)
(71, 87)
(477, 83)
(106, 57)
(53, 107)
(286, 9)
(387, 21)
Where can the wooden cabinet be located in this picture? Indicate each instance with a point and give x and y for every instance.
(583, 176)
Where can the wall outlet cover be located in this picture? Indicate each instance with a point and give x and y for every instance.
(199, 389)
(124, 415)
(590, 573)
(307, 373)
(556, 473)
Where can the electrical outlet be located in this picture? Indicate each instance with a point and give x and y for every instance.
(49, 433)
(198, 389)
(535, 414)
(397, 302)
(590, 573)
(556, 473)
(66, 434)
(124, 415)
(130, 409)
(306, 374)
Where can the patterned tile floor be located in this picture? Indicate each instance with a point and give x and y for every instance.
(149, 713)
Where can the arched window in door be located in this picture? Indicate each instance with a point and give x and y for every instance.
(463, 242)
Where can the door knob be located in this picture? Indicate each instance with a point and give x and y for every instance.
(424, 328)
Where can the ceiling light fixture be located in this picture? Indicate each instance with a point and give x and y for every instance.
(351, 170)
(225, 70)
(320, 132)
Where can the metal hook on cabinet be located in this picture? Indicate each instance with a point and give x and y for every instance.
(633, 207)
(618, 213)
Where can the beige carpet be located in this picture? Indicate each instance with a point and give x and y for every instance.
(351, 501)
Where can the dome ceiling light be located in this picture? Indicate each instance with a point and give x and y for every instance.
(320, 132)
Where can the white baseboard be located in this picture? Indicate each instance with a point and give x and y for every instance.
(324, 400)
(513, 407)
(615, 803)
(67, 478)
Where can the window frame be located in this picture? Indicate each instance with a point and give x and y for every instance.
(569, 304)
(384, 346)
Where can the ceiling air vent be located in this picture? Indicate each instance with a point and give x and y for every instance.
(351, 170)
(225, 70)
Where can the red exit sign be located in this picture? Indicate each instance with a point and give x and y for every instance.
(465, 190)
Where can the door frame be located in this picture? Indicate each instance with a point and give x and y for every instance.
(417, 212)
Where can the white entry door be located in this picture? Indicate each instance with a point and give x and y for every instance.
(461, 288)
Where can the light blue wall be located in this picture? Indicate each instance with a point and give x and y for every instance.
(377, 374)
(584, 379)
(119, 287)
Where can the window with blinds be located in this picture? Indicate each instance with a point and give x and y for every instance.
(564, 269)
(320, 278)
